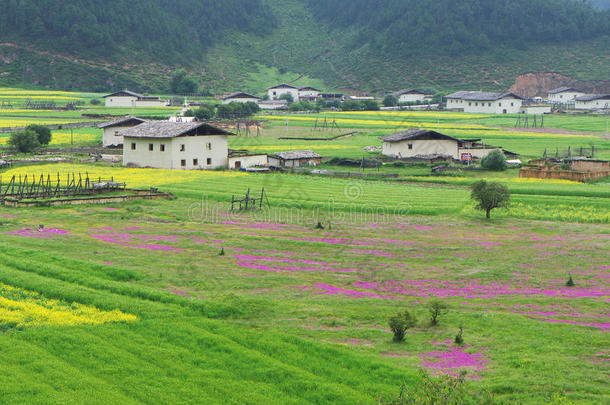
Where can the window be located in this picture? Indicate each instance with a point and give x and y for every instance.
(512, 104)
(182, 148)
(469, 104)
(410, 146)
(208, 146)
(489, 104)
(476, 104)
(500, 104)
(561, 96)
(151, 147)
(183, 163)
(162, 147)
(195, 162)
(133, 146)
(116, 133)
(209, 161)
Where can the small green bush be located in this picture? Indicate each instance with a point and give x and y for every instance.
(459, 338)
(43, 133)
(390, 101)
(437, 309)
(25, 141)
(399, 324)
(570, 282)
(495, 161)
(95, 101)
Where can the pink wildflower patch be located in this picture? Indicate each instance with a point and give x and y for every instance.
(127, 239)
(454, 360)
(182, 293)
(278, 264)
(328, 289)
(359, 342)
(38, 233)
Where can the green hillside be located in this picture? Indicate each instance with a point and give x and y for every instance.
(343, 44)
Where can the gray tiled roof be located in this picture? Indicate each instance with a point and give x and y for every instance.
(562, 89)
(166, 129)
(239, 94)
(120, 121)
(415, 134)
(481, 95)
(591, 97)
(297, 154)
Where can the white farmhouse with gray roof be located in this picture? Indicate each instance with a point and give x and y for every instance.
(592, 102)
(126, 98)
(484, 102)
(295, 158)
(113, 130)
(275, 92)
(240, 97)
(564, 95)
(176, 145)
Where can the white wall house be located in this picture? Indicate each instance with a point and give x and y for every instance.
(176, 145)
(275, 92)
(592, 102)
(126, 98)
(245, 160)
(240, 97)
(411, 95)
(484, 102)
(310, 94)
(564, 95)
(113, 130)
(418, 142)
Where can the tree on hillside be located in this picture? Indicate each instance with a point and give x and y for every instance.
(25, 141)
(495, 161)
(43, 133)
(390, 101)
(399, 324)
(490, 195)
(181, 83)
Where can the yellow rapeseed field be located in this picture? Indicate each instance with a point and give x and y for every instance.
(134, 178)
(422, 114)
(27, 308)
(62, 138)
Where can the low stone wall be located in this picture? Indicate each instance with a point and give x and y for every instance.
(542, 173)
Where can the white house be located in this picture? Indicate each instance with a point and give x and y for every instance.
(309, 93)
(244, 160)
(427, 143)
(176, 145)
(564, 95)
(411, 95)
(113, 130)
(276, 91)
(126, 98)
(484, 102)
(240, 97)
(295, 158)
(592, 102)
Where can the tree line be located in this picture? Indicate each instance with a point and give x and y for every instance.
(415, 27)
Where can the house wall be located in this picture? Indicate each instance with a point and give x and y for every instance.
(248, 161)
(195, 147)
(309, 94)
(121, 101)
(275, 94)
(590, 166)
(267, 106)
(421, 147)
(564, 97)
(110, 137)
(478, 153)
(591, 105)
(152, 103)
(409, 98)
(240, 100)
(536, 110)
(511, 105)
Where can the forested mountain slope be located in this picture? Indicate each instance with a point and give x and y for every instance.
(349, 44)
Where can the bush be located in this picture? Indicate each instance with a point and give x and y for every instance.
(490, 195)
(495, 161)
(286, 96)
(436, 309)
(459, 338)
(95, 101)
(399, 324)
(443, 390)
(204, 112)
(24, 141)
(43, 133)
(390, 101)
(570, 282)
(181, 83)
(370, 105)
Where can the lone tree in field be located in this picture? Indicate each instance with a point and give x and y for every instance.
(399, 324)
(436, 309)
(490, 195)
(495, 161)
(43, 133)
(25, 141)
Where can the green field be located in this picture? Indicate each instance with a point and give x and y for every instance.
(134, 303)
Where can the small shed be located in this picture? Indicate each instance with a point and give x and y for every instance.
(419, 142)
(243, 159)
(295, 158)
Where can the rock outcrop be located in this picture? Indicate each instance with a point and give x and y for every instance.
(538, 84)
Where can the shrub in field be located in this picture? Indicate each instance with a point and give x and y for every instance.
(495, 161)
(570, 282)
(24, 141)
(436, 309)
(444, 390)
(204, 112)
(181, 83)
(490, 195)
(390, 101)
(399, 324)
(459, 338)
(43, 133)
(222, 252)
(95, 101)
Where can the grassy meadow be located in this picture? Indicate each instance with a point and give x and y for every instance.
(183, 301)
